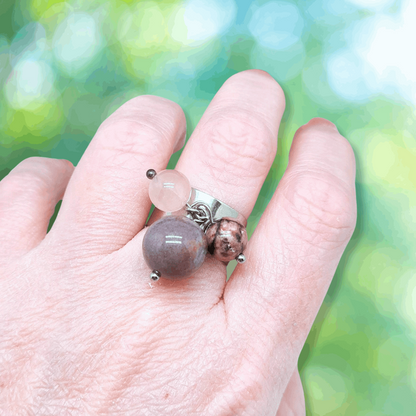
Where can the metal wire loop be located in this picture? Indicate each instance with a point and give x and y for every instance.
(200, 213)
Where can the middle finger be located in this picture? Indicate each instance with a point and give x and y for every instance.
(106, 202)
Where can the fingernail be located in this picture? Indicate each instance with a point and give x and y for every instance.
(322, 123)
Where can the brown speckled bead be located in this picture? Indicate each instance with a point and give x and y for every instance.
(226, 239)
(175, 246)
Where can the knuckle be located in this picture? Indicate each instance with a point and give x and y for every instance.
(154, 104)
(240, 141)
(144, 136)
(33, 176)
(31, 161)
(331, 139)
(144, 125)
(36, 164)
(323, 210)
(261, 77)
(43, 165)
(24, 181)
(20, 191)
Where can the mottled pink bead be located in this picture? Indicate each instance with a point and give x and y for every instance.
(226, 239)
(175, 246)
(169, 190)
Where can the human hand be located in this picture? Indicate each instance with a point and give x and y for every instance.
(83, 332)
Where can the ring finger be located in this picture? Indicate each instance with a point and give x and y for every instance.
(235, 143)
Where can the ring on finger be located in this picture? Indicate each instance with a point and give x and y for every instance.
(195, 223)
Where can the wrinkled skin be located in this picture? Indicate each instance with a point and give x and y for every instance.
(83, 332)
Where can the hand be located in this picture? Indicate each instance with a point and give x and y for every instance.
(83, 332)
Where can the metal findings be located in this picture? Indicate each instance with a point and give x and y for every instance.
(218, 210)
(200, 213)
(175, 246)
(241, 258)
(151, 173)
(155, 275)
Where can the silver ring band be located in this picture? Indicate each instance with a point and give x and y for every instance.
(206, 209)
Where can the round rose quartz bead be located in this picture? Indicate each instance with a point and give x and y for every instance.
(226, 239)
(175, 246)
(169, 190)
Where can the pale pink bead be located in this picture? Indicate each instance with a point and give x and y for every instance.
(169, 190)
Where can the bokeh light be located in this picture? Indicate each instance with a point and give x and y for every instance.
(381, 41)
(76, 42)
(372, 4)
(276, 25)
(198, 21)
(30, 84)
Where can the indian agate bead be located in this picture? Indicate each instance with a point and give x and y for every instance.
(227, 239)
(174, 246)
(169, 190)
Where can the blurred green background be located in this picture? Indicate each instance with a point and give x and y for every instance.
(66, 65)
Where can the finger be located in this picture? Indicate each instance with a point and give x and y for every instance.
(233, 146)
(294, 251)
(28, 196)
(293, 400)
(107, 199)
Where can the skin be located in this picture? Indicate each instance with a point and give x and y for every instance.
(83, 332)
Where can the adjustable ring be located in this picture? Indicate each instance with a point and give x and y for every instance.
(195, 224)
(215, 209)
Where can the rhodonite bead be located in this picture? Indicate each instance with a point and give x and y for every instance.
(175, 246)
(169, 190)
(226, 239)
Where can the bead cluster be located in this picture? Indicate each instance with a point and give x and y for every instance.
(175, 246)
